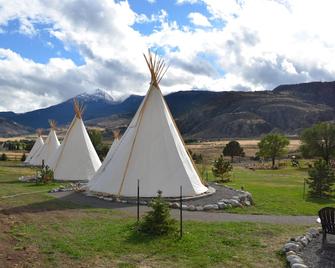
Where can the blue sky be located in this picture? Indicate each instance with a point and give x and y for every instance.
(53, 50)
(43, 46)
(40, 47)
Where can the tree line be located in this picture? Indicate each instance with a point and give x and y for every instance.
(316, 142)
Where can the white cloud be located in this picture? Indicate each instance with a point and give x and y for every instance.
(181, 2)
(151, 1)
(198, 19)
(258, 45)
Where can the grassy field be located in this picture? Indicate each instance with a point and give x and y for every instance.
(275, 192)
(210, 150)
(40, 231)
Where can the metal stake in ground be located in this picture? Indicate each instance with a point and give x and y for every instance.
(303, 194)
(181, 211)
(138, 201)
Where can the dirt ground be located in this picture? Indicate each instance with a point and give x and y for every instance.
(10, 254)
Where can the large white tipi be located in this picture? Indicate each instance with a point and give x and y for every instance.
(45, 154)
(36, 147)
(76, 158)
(151, 151)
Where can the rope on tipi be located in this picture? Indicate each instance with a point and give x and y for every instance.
(78, 108)
(52, 124)
(157, 70)
(156, 66)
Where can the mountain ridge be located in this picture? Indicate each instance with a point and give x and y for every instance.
(206, 114)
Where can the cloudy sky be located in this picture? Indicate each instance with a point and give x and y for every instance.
(52, 50)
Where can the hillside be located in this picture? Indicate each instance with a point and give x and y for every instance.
(9, 128)
(205, 114)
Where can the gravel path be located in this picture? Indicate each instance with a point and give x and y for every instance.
(83, 200)
(317, 257)
(220, 193)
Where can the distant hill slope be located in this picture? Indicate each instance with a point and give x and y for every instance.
(9, 128)
(205, 114)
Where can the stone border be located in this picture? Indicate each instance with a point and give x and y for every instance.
(295, 245)
(241, 199)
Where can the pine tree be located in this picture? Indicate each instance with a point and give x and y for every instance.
(221, 168)
(321, 179)
(158, 221)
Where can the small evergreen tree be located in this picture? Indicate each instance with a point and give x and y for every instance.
(321, 179)
(221, 168)
(45, 175)
(3, 157)
(158, 221)
(23, 157)
(233, 148)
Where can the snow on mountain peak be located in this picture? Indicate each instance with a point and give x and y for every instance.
(97, 95)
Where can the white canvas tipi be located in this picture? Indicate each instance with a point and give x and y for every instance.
(76, 158)
(36, 147)
(108, 157)
(50, 147)
(151, 151)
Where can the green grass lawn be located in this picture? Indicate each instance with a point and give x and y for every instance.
(113, 241)
(55, 233)
(276, 192)
(10, 171)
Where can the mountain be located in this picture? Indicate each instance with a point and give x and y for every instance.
(206, 114)
(98, 104)
(9, 128)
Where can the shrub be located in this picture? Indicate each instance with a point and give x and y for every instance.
(44, 175)
(3, 157)
(321, 179)
(158, 221)
(23, 157)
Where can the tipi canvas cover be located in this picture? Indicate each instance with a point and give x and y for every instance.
(36, 147)
(49, 148)
(108, 157)
(151, 151)
(76, 158)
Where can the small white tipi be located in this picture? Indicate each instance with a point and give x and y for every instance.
(76, 158)
(50, 147)
(36, 147)
(151, 151)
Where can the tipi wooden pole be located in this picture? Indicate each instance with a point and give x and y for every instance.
(138, 201)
